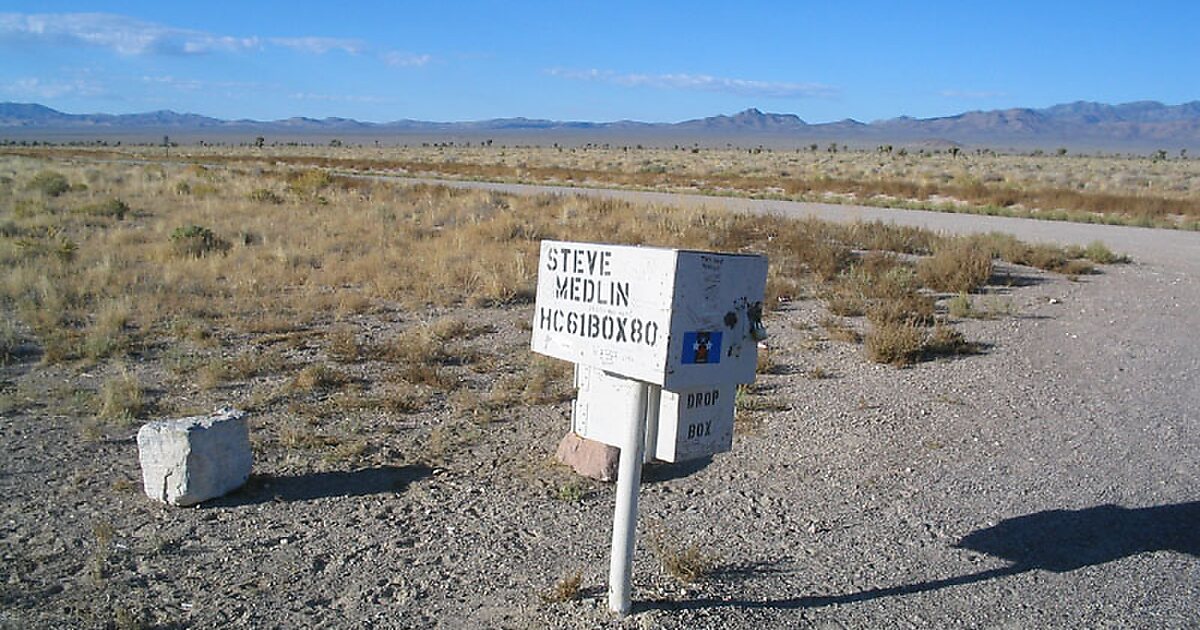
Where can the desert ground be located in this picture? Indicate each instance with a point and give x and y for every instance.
(1030, 461)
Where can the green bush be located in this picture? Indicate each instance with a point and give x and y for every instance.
(108, 208)
(1098, 252)
(310, 182)
(49, 183)
(195, 241)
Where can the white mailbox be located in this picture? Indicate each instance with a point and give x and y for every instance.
(676, 318)
(689, 425)
(661, 339)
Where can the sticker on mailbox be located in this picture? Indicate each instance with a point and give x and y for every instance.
(701, 347)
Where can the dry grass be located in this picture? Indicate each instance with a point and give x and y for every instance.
(121, 398)
(905, 343)
(957, 268)
(687, 563)
(896, 343)
(1130, 190)
(318, 377)
(564, 590)
(1127, 190)
(839, 331)
(346, 298)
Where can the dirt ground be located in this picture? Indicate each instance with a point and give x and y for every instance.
(1051, 481)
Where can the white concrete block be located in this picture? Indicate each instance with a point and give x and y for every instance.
(189, 460)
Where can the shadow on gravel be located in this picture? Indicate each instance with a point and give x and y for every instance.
(661, 471)
(356, 483)
(1053, 540)
(1015, 280)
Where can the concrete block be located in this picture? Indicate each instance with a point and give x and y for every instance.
(589, 458)
(189, 460)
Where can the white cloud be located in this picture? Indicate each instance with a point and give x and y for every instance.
(133, 37)
(319, 45)
(702, 82)
(38, 89)
(121, 34)
(195, 85)
(339, 98)
(399, 59)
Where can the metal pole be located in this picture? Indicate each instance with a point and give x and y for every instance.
(629, 477)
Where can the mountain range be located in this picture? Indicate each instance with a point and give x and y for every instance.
(1137, 126)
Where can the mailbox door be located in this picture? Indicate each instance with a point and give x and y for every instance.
(603, 406)
(695, 423)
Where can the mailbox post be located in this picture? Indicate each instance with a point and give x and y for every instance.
(661, 338)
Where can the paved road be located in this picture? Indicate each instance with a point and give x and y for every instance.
(1178, 250)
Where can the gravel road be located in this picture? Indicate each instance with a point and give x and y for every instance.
(1052, 481)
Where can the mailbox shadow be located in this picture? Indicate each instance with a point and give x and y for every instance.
(663, 471)
(356, 483)
(1053, 540)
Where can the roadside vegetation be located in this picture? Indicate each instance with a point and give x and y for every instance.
(350, 307)
(1152, 191)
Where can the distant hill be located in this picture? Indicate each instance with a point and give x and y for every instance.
(1138, 126)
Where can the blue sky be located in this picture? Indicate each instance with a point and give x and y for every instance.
(652, 61)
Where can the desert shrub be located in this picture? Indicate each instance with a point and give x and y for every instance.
(49, 183)
(877, 235)
(565, 589)
(195, 241)
(960, 306)
(686, 563)
(28, 208)
(106, 337)
(839, 331)
(826, 259)
(447, 328)
(257, 363)
(877, 263)
(896, 343)
(546, 380)
(418, 346)
(911, 308)
(317, 377)
(213, 373)
(958, 268)
(10, 338)
(845, 298)
(53, 244)
(309, 182)
(1098, 252)
(343, 345)
(121, 398)
(264, 195)
(1046, 257)
(946, 341)
(111, 207)
(905, 343)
